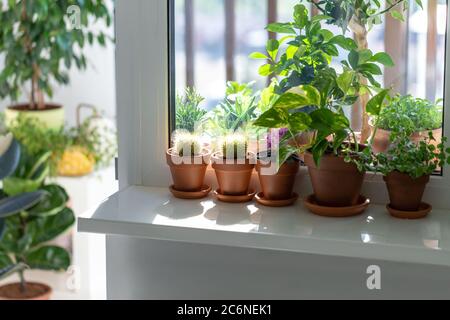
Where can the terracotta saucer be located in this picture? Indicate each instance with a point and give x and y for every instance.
(235, 199)
(423, 211)
(276, 203)
(189, 195)
(337, 212)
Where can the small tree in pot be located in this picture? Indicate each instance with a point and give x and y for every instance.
(41, 41)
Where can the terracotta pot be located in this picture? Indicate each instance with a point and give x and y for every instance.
(34, 291)
(405, 193)
(233, 177)
(335, 183)
(381, 141)
(188, 173)
(278, 186)
(52, 116)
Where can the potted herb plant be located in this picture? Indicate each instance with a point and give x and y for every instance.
(233, 166)
(189, 114)
(314, 97)
(418, 116)
(277, 169)
(188, 161)
(40, 43)
(31, 214)
(407, 167)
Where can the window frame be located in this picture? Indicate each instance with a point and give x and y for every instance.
(143, 47)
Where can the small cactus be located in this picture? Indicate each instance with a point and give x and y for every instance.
(234, 146)
(187, 144)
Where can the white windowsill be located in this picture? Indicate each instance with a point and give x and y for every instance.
(153, 213)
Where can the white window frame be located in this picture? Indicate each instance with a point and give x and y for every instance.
(142, 76)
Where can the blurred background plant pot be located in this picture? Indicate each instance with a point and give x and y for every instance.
(335, 183)
(52, 116)
(381, 140)
(34, 291)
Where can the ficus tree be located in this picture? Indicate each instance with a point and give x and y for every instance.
(41, 40)
(359, 16)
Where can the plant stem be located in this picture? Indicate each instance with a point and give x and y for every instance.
(23, 287)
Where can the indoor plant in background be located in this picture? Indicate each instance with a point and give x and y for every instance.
(188, 160)
(31, 214)
(233, 166)
(40, 45)
(416, 115)
(407, 167)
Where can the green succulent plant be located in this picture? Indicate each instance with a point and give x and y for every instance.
(187, 144)
(31, 214)
(234, 146)
(189, 114)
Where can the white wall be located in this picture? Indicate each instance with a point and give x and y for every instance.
(96, 85)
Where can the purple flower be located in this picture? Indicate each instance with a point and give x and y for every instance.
(272, 133)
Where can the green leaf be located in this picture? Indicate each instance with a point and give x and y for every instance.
(5, 260)
(419, 3)
(383, 58)
(272, 48)
(15, 186)
(48, 258)
(345, 80)
(273, 118)
(397, 15)
(54, 201)
(47, 228)
(13, 205)
(265, 70)
(353, 58)
(318, 150)
(299, 122)
(300, 16)
(258, 55)
(277, 27)
(370, 68)
(375, 104)
(344, 42)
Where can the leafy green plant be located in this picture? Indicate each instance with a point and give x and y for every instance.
(189, 114)
(412, 113)
(359, 16)
(31, 214)
(319, 105)
(234, 146)
(40, 44)
(236, 111)
(187, 144)
(415, 159)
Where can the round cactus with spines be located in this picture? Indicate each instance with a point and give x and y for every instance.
(234, 146)
(187, 144)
